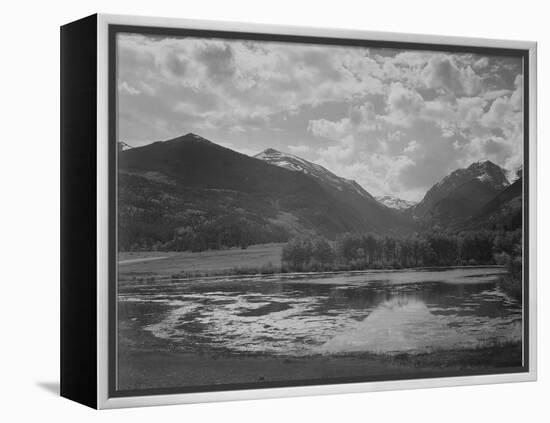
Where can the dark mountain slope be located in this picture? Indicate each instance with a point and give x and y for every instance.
(297, 164)
(395, 202)
(504, 211)
(486, 173)
(345, 191)
(460, 196)
(200, 195)
(460, 204)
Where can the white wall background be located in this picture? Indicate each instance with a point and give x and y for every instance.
(29, 240)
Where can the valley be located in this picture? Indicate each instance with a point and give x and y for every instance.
(190, 194)
(278, 269)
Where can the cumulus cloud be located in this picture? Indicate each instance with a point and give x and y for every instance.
(517, 96)
(403, 100)
(218, 61)
(299, 149)
(341, 152)
(240, 78)
(330, 129)
(481, 63)
(125, 88)
(396, 121)
(443, 73)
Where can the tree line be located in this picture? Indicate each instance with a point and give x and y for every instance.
(368, 251)
(173, 219)
(215, 234)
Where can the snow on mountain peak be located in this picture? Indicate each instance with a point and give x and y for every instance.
(297, 164)
(490, 173)
(514, 175)
(484, 171)
(394, 202)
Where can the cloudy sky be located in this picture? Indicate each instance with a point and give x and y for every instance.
(395, 121)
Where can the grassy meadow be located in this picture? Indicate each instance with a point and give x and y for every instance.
(154, 264)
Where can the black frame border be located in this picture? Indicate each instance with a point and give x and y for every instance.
(114, 29)
(78, 211)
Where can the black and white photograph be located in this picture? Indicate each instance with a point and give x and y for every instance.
(252, 212)
(310, 212)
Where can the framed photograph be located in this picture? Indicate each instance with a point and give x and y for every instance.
(254, 211)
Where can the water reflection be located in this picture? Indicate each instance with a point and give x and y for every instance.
(401, 324)
(378, 312)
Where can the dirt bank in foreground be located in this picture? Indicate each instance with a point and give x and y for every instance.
(163, 369)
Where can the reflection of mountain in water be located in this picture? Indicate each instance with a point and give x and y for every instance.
(400, 324)
(302, 314)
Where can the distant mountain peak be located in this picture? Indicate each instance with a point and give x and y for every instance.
(394, 202)
(483, 164)
(297, 164)
(222, 191)
(123, 146)
(491, 173)
(190, 137)
(195, 136)
(288, 161)
(268, 151)
(515, 174)
(485, 171)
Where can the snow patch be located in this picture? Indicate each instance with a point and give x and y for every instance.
(394, 202)
(297, 164)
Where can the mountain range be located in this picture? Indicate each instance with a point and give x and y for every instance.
(295, 163)
(503, 212)
(208, 196)
(198, 195)
(395, 202)
(460, 195)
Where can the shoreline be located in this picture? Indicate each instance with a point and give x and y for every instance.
(228, 275)
(148, 362)
(153, 368)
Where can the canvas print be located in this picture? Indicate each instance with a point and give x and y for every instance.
(305, 213)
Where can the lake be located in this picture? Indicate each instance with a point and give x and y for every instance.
(386, 312)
